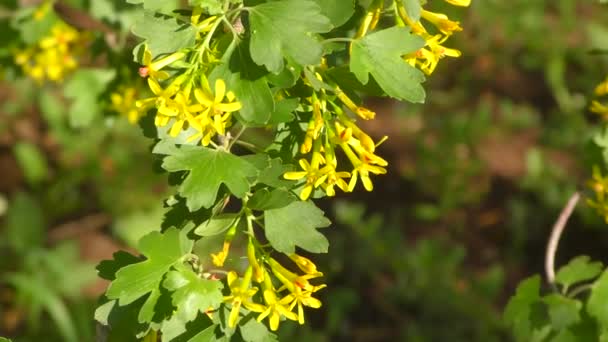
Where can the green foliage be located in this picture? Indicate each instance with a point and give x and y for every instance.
(379, 54)
(208, 170)
(281, 29)
(302, 219)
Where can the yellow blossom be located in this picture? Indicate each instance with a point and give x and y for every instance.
(153, 69)
(240, 294)
(311, 172)
(599, 108)
(463, 3)
(215, 109)
(274, 310)
(602, 88)
(442, 22)
(124, 101)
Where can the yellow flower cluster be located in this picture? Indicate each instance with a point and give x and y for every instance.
(256, 292)
(187, 101)
(597, 106)
(599, 185)
(123, 101)
(428, 57)
(54, 56)
(330, 127)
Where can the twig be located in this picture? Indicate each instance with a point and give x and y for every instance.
(556, 232)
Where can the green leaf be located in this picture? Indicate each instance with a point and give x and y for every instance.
(3, 339)
(25, 224)
(248, 82)
(217, 225)
(84, 88)
(264, 199)
(563, 311)
(282, 29)
(380, 54)
(107, 268)
(164, 34)
(519, 309)
(212, 7)
(413, 9)
(206, 335)
(597, 303)
(338, 11)
(283, 111)
(192, 294)
(208, 170)
(577, 270)
(273, 175)
(32, 162)
(162, 252)
(254, 331)
(120, 321)
(295, 225)
(44, 296)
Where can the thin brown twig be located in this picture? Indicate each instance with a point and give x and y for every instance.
(556, 233)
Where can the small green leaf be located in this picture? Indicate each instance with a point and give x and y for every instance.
(162, 252)
(577, 270)
(206, 335)
(32, 162)
(164, 34)
(25, 224)
(265, 200)
(338, 11)
(596, 304)
(212, 7)
(295, 225)
(380, 54)
(217, 225)
(563, 311)
(208, 170)
(107, 268)
(254, 331)
(84, 88)
(413, 9)
(519, 309)
(248, 82)
(192, 294)
(283, 111)
(121, 321)
(282, 29)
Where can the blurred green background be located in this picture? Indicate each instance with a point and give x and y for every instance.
(477, 177)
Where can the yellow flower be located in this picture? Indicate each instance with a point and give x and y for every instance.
(441, 21)
(602, 88)
(362, 112)
(428, 57)
(52, 58)
(124, 101)
(214, 108)
(258, 271)
(274, 310)
(240, 294)
(305, 264)
(599, 108)
(463, 3)
(314, 176)
(153, 69)
(300, 289)
(166, 106)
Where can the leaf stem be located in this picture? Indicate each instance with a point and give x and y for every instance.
(338, 40)
(580, 289)
(556, 233)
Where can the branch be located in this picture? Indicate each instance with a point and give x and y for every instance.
(556, 233)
